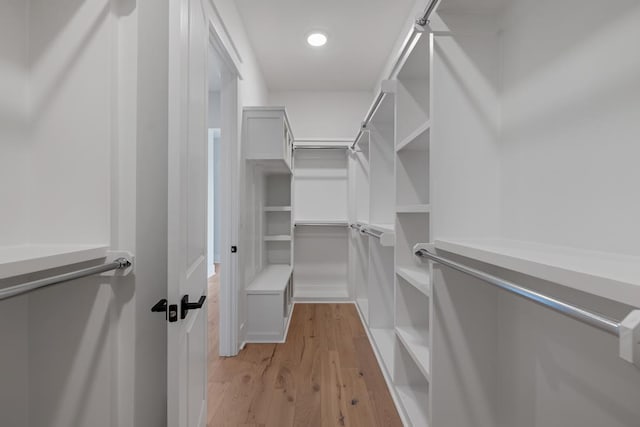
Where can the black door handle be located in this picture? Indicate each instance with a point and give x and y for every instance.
(185, 305)
(163, 306)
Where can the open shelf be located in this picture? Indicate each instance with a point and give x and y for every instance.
(322, 222)
(277, 251)
(412, 323)
(411, 209)
(414, 400)
(418, 277)
(273, 279)
(277, 238)
(611, 276)
(409, 230)
(417, 140)
(24, 259)
(381, 163)
(412, 387)
(412, 177)
(277, 208)
(416, 342)
(413, 94)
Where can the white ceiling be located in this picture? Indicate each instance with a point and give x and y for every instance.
(361, 36)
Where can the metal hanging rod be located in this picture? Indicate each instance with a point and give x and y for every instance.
(321, 224)
(12, 291)
(407, 46)
(320, 147)
(627, 330)
(594, 319)
(424, 19)
(370, 233)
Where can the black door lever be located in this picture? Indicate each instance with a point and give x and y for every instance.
(163, 306)
(185, 305)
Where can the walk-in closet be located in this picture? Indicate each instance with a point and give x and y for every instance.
(426, 213)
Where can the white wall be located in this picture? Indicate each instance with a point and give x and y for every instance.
(13, 120)
(570, 157)
(323, 114)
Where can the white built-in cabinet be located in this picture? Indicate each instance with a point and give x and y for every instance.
(268, 222)
(390, 214)
(503, 142)
(321, 184)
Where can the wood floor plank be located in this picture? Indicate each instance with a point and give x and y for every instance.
(324, 375)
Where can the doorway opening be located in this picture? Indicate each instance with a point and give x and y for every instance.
(222, 223)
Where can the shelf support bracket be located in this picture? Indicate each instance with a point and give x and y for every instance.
(630, 338)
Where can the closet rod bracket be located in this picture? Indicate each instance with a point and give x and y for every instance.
(630, 338)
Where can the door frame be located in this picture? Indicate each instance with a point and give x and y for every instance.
(229, 186)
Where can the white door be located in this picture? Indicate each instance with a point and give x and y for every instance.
(187, 216)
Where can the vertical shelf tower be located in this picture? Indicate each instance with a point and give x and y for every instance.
(390, 212)
(268, 222)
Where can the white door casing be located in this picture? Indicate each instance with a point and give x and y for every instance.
(187, 214)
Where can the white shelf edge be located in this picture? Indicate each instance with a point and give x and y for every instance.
(272, 279)
(612, 276)
(416, 349)
(24, 259)
(417, 133)
(415, 208)
(277, 208)
(337, 223)
(278, 238)
(417, 278)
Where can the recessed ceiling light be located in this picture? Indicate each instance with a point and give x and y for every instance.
(317, 39)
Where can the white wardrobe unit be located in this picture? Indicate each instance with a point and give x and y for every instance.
(390, 214)
(268, 224)
(321, 221)
(59, 204)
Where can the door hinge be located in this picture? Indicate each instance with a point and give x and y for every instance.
(234, 249)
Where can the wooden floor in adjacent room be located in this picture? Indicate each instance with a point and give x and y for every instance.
(324, 375)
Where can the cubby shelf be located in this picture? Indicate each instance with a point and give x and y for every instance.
(416, 277)
(416, 140)
(277, 238)
(415, 342)
(415, 208)
(414, 400)
(277, 208)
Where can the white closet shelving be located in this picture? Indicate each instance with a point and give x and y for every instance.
(393, 293)
(321, 187)
(530, 148)
(269, 218)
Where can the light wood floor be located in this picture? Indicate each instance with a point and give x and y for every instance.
(324, 375)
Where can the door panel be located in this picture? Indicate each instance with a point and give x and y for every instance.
(187, 210)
